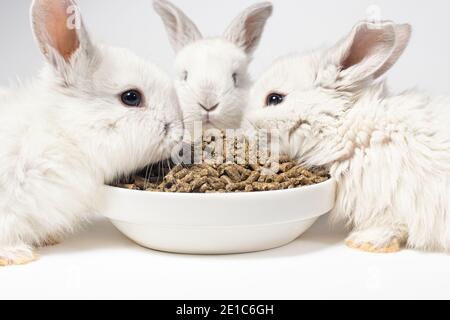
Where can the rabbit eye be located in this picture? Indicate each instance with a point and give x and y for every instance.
(185, 76)
(235, 79)
(274, 99)
(131, 98)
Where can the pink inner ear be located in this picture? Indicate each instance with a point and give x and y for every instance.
(63, 39)
(251, 31)
(365, 44)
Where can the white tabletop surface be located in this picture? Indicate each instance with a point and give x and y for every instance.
(99, 262)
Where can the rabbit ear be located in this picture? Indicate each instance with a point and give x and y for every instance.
(58, 29)
(180, 28)
(246, 29)
(370, 50)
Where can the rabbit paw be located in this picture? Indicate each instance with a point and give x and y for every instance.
(16, 256)
(392, 247)
(375, 241)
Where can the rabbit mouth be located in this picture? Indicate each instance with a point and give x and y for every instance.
(297, 126)
(207, 119)
(209, 123)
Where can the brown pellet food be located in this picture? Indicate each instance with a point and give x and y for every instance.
(226, 172)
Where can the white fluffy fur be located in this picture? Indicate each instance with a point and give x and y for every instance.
(205, 67)
(67, 133)
(390, 154)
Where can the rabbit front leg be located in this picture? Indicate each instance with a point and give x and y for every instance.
(17, 254)
(13, 250)
(370, 201)
(377, 239)
(376, 223)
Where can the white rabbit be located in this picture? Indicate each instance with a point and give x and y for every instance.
(212, 78)
(390, 154)
(94, 113)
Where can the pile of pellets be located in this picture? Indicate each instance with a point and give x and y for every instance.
(226, 172)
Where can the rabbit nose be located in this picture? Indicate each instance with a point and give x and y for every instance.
(209, 108)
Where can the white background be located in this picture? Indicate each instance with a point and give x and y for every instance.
(100, 263)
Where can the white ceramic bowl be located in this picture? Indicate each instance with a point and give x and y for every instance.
(217, 223)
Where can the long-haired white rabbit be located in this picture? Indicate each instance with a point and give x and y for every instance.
(212, 78)
(94, 113)
(390, 154)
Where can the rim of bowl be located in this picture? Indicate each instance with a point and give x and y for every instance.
(221, 194)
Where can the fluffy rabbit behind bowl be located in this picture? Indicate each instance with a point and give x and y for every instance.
(390, 154)
(212, 78)
(95, 113)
